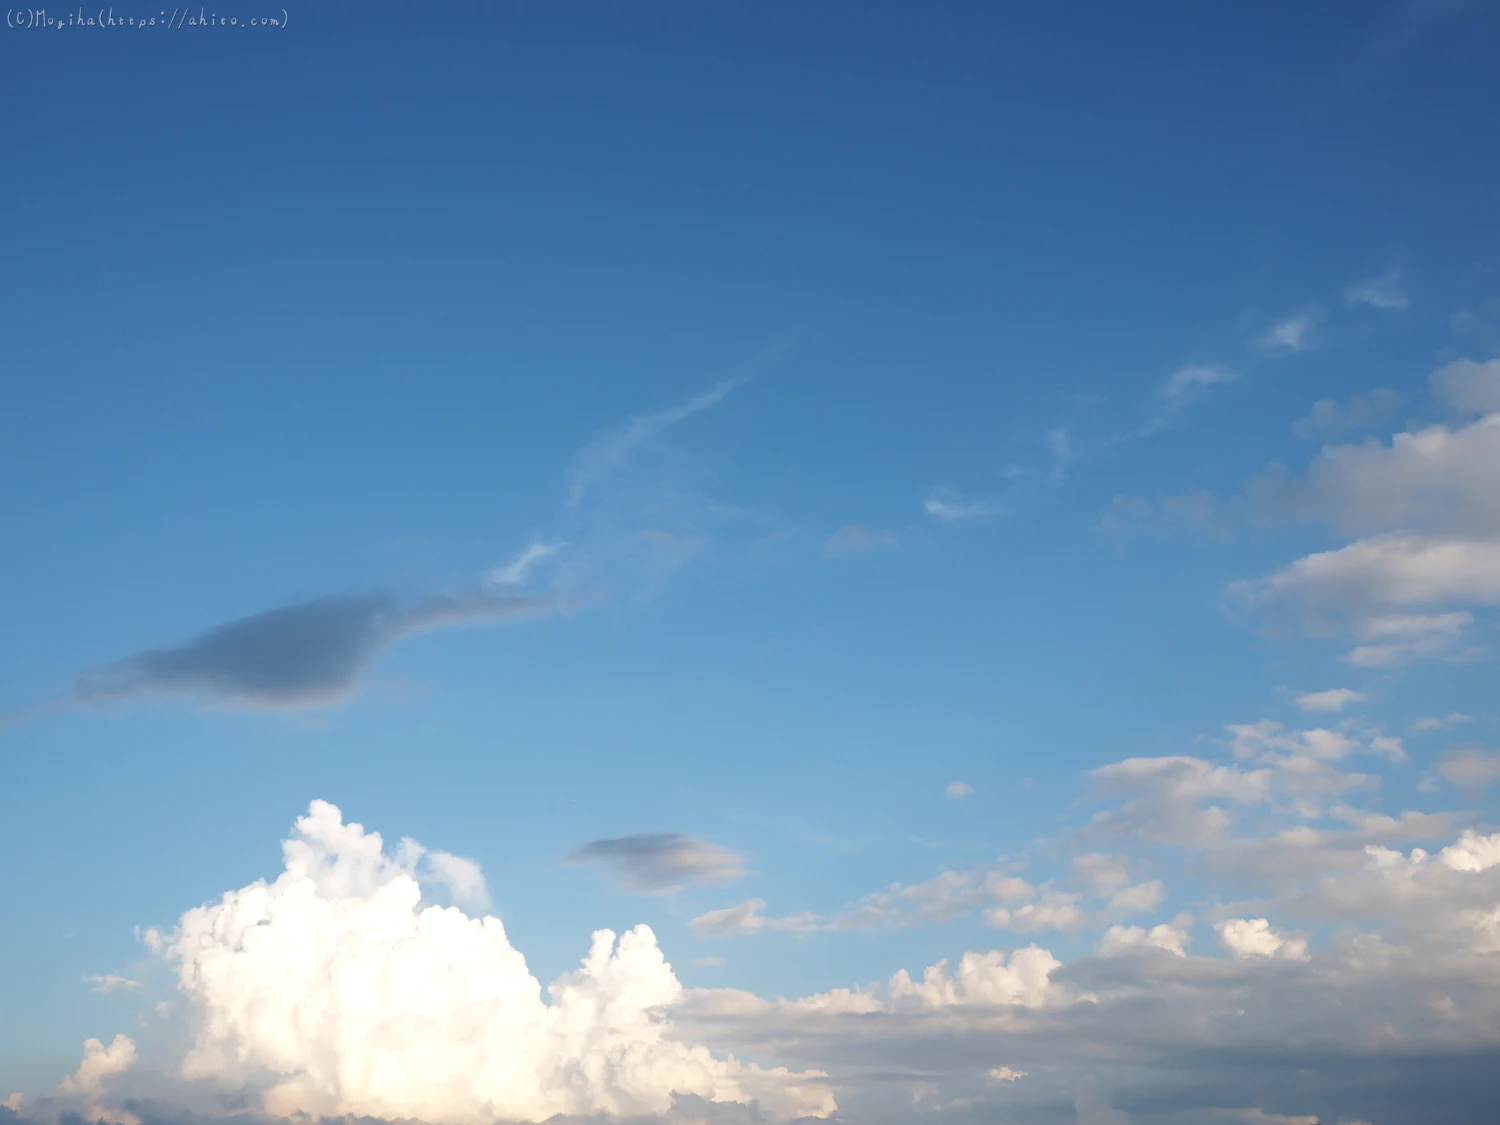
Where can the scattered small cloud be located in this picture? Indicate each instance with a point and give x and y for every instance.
(958, 790)
(1294, 334)
(946, 506)
(654, 863)
(1005, 1074)
(1255, 937)
(854, 539)
(1330, 418)
(1335, 699)
(709, 962)
(108, 982)
(1383, 291)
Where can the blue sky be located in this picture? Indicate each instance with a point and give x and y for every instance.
(743, 424)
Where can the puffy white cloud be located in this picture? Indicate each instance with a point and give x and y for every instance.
(1393, 569)
(1365, 587)
(958, 790)
(1335, 699)
(1053, 910)
(1438, 480)
(1472, 852)
(334, 990)
(1425, 509)
(1254, 937)
(86, 1084)
(1170, 937)
(980, 979)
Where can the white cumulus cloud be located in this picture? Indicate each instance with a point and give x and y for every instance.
(1255, 937)
(334, 990)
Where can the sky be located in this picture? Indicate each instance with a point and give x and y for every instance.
(688, 563)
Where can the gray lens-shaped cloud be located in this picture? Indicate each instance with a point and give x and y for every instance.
(661, 862)
(302, 655)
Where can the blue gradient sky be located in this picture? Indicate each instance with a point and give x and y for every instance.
(342, 308)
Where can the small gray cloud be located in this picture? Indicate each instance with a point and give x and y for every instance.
(852, 539)
(308, 654)
(653, 863)
(1471, 767)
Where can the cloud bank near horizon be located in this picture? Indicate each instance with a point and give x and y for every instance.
(1338, 956)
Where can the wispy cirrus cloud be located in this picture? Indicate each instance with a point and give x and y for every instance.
(947, 506)
(1167, 404)
(1382, 291)
(1294, 334)
(1179, 391)
(515, 572)
(604, 456)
